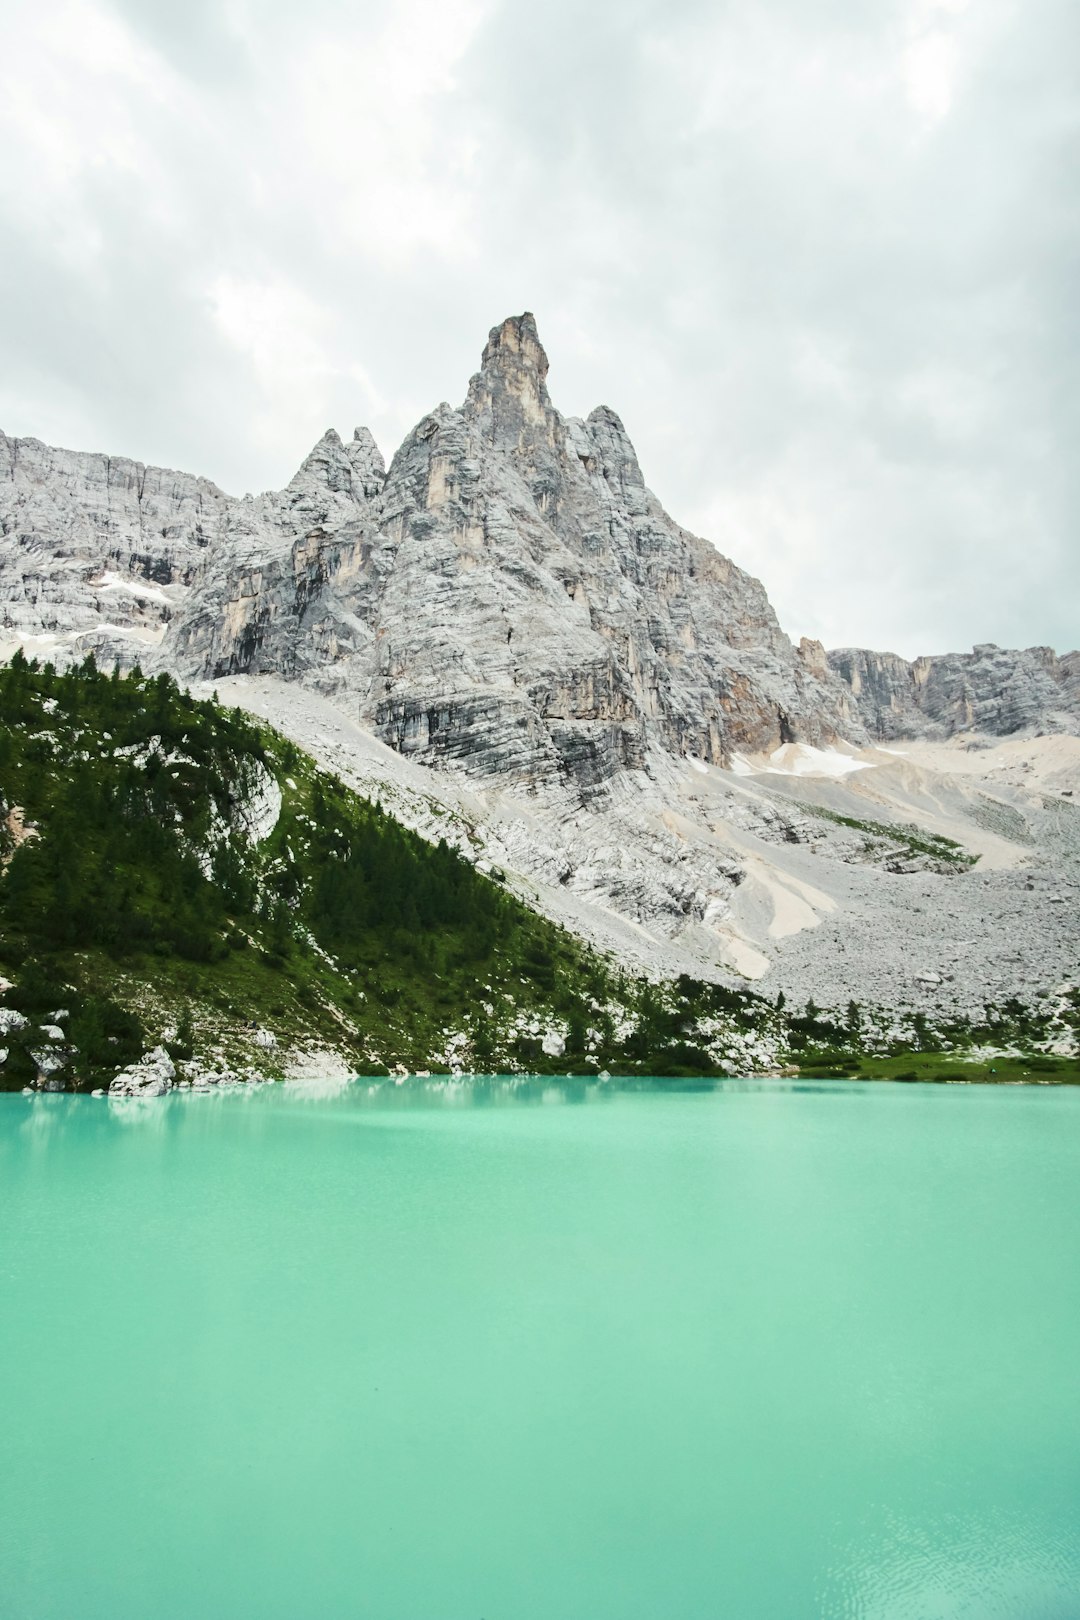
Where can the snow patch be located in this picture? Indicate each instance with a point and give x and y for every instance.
(803, 759)
(112, 581)
(799, 759)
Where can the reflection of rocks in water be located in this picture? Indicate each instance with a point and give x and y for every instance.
(44, 1113)
(148, 1112)
(510, 1090)
(316, 1088)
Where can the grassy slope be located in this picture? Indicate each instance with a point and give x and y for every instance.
(1012, 1043)
(907, 840)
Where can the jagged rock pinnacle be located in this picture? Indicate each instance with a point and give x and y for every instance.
(508, 396)
(515, 346)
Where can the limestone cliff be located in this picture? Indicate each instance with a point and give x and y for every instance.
(508, 597)
(991, 689)
(97, 546)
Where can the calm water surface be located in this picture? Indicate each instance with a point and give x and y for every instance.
(775, 1350)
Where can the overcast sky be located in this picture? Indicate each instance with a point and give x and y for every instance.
(821, 255)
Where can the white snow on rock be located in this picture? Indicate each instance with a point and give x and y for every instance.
(111, 581)
(802, 759)
(798, 759)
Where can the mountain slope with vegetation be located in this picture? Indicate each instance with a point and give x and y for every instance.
(175, 873)
(175, 877)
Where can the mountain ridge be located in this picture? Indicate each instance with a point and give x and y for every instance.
(996, 690)
(512, 599)
(611, 707)
(310, 583)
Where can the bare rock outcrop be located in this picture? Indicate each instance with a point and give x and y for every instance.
(991, 689)
(152, 1076)
(97, 550)
(508, 598)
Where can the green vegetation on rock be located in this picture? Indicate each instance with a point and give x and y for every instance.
(909, 841)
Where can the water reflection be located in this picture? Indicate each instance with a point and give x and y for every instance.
(491, 1090)
(534, 1091)
(43, 1114)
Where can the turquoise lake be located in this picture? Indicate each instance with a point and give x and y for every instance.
(778, 1349)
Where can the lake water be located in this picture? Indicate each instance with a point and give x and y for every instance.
(777, 1350)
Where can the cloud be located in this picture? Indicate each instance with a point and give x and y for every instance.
(821, 255)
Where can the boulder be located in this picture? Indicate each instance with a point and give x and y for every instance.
(152, 1076)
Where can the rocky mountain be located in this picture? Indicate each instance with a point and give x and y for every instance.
(187, 900)
(621, 726)
(508, 597)
(990, 689)
(96, 549)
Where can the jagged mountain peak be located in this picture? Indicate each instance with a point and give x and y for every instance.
(514, 345)
(512, 599)
(508, 398)
(617, 457)
(355, 468)
(508, 597)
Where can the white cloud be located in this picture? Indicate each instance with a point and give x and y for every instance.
(288, 340)
(78, 92)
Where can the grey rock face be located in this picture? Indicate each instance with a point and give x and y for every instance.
(273, 591)
(152, 1076)
(508, 598)
(990, 689)
(97, 548)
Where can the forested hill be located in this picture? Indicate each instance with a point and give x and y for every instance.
(172, 872)
(172, 826)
